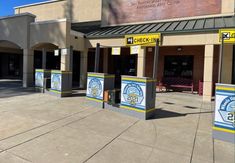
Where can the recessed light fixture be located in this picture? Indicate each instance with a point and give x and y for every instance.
(179, 48)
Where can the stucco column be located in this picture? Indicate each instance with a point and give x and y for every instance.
(105, 63)
(28, 60)
(226, 74)
(141, 62)
(208, 72)
(44, 60)
(66, 59)
(83, 68)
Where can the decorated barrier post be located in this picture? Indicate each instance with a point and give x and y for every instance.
(97, 83)
(224, 122)
(61, 83)
(138, 96)
(40, 75)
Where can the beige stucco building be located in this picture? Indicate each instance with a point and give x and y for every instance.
(188, 38)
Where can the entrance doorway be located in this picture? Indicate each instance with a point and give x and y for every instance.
(124, 64)
(76, 69)
(11, 66)
(178, 66)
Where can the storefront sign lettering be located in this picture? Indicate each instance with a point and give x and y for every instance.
(142, 40)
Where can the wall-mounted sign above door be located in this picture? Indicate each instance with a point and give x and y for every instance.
(142, 39)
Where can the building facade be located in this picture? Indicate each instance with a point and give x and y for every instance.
(190, 40)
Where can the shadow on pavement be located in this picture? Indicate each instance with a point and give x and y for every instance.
(11, 88)
(160, 113)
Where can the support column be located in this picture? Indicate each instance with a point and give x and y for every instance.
(208, 72)
(83, 69)
(44, 56)
(141, 62)
(226, 74)
(65, 62)
(106, 58)
(28, 60)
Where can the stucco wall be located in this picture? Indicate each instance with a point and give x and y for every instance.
(48, 11)
(50, 32)
(16, 29)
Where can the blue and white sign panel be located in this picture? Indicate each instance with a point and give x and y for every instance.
(225, 109)
(133, 94)
(39, 76)
(95, 87)
(56, 81)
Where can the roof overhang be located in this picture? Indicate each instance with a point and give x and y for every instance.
(207, 25)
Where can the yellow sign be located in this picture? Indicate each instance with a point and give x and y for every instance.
(116, 51)
(228, 35)
(135, 49)
(142, 39)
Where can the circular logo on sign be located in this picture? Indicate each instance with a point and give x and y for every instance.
(95, 87)
(227, 109)
(133, 94)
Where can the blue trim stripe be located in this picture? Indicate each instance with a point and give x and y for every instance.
(95, 77)
(223, 124)
(229, 128)
(224, 91)
(57, 90)
(94, 97)
(130, 81)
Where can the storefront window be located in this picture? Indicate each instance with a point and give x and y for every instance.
(178, 66)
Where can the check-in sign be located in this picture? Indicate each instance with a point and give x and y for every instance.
(142, 40)
(228, 35)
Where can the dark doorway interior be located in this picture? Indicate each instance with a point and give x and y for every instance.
(52, 61)
(37, 59)
(76, 69)
(124, 64)
(91, 61)
(178, 66)
(11, 66)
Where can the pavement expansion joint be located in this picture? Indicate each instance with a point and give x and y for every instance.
(111, 141)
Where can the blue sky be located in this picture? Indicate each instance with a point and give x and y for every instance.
(7, 6)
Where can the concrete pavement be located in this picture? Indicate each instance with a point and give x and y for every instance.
(41, 128)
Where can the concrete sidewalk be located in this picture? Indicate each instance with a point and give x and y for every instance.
(43, 129)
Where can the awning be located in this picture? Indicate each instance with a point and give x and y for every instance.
(193, 25)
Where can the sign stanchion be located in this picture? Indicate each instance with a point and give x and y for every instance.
(97, 57)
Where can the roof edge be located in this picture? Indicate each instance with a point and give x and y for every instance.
(162, 33)
(18, 15)
(38, 3)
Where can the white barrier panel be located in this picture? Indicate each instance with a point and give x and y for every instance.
(224, 122)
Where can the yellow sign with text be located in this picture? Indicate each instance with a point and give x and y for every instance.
(142, 39)
(228, 35)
